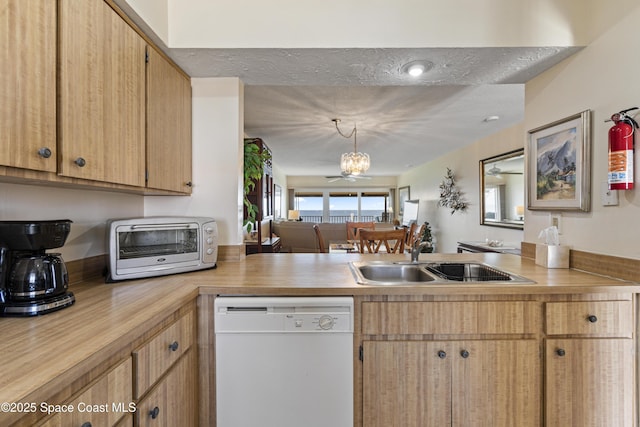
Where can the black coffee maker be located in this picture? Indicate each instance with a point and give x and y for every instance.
(33, 281)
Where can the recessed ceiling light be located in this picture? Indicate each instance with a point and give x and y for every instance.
(491, 118)
(417, 68)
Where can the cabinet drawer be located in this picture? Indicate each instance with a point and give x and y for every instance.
(104, 403)
(155, 357)
(465, 317)
(597, 318)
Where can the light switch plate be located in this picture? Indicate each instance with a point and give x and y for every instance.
(608, 197)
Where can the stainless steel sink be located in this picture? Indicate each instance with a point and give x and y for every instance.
(406, 273)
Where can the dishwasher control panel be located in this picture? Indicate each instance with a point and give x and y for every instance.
(279, 314)
(327, 322)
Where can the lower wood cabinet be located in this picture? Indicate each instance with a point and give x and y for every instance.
(103, 403)
(589, 382)
(455, 383)
(544, 360)
(173, 401)
(166, 386)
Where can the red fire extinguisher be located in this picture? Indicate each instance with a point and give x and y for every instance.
(621, 137)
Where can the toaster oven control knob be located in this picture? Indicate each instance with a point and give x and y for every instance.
(209, 251)
(209, 241)
(208, 230)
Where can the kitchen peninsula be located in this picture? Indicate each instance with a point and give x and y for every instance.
(525, 354)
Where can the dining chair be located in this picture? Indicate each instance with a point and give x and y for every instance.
(353, 228)
(321, 245)
(413, 235)
(371, 241)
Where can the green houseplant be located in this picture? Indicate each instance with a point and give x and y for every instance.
(254, 160)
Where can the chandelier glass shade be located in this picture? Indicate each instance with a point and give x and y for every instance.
(353, 163)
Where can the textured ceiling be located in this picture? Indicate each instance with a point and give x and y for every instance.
(292, 95)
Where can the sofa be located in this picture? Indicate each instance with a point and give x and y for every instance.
(299, 236)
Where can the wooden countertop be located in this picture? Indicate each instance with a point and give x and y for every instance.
(43, 354)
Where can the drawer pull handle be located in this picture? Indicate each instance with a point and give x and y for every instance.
(86, 424)
(44, 152)
(80, 162)
(560, 352)
(592, 318)
(442, 354)
(189, 184)
(154, 413)
(464, 354)
(173, 346)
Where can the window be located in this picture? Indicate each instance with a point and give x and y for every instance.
(375, 207)
(310, 206)
(343, 207)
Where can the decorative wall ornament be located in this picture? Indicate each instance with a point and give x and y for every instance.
(450, 196)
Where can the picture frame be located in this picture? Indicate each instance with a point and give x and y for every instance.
(558, 166)
(404, 194)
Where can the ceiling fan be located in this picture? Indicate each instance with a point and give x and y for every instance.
(346, 177)
(495, 171)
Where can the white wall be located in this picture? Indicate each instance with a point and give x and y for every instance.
(604, 78)
(88, 209)
(218, 153)
(424, 182)
(363, 23)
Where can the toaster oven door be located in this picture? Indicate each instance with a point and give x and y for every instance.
(144, 247)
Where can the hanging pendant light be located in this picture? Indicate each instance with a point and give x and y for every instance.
(353, 163)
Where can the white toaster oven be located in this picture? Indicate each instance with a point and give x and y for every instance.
(157, 246)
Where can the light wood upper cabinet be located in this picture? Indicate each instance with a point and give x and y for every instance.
(168, 126)
(28, 84)
(102, 95)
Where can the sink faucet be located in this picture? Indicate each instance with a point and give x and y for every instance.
(417, 246)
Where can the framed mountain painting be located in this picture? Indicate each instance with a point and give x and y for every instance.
(559, 164)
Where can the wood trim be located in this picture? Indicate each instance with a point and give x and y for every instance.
(84, 269)
(528, 250)
(92, 268)
(606, 265)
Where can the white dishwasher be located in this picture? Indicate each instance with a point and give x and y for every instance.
(284, 361)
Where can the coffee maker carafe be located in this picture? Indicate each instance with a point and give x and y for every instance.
(33, 281)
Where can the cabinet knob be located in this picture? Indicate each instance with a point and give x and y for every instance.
(154, 413)
(442, 354)
(44, 152)
(80, 162)
(173, 346)
(592, 318)
(86, 424)
(189, 184)
(560, 352)
(464, 354)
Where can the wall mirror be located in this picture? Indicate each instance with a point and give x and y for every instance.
(502, 190)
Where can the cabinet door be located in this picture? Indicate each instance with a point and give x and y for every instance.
(102, 95)
(28, 84)
(104, 403)
(406, 383)
(173, 401)
(589, 382)
(168, 126)
(496, 383)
